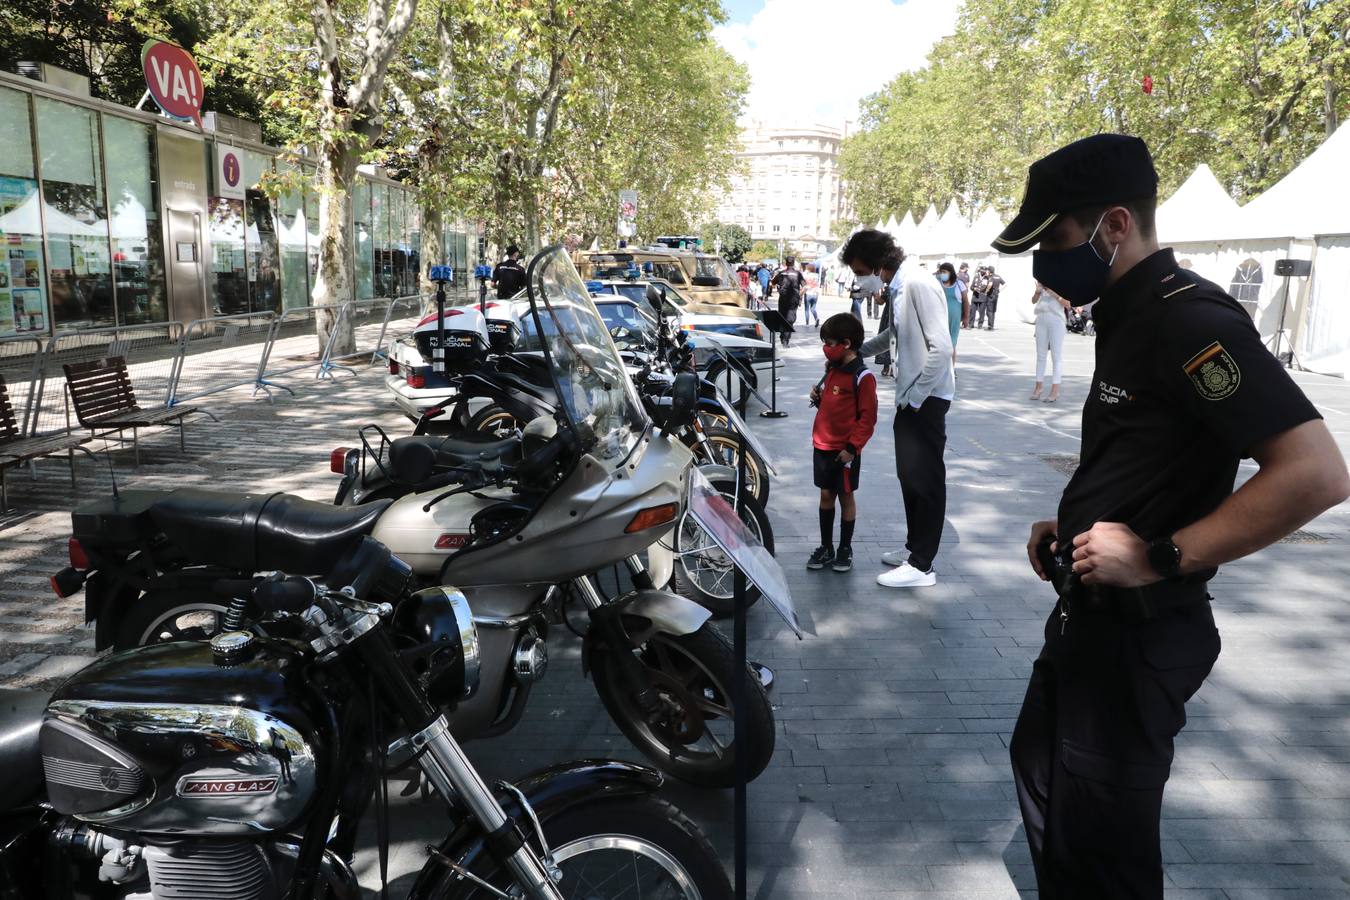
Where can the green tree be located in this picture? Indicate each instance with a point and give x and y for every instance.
(764, 250)
(733, 240)
(321, 67)
(1249, 89)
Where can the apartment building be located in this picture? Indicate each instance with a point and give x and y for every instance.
(790, 189)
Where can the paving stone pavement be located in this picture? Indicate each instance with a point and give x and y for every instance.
(890, 778)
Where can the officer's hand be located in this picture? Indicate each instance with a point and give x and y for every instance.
(1110, 553)
(1039, 532)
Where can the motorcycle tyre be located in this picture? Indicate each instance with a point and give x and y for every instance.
(152, 607)
(682, 584)
(650, 819)
(711, 648)
(485, 420)
(757, 472)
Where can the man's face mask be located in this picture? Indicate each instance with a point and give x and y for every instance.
(869, 284)
(1078, 274)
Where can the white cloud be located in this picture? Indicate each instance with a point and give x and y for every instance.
(813, 61)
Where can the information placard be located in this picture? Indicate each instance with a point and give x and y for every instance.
(712, 511)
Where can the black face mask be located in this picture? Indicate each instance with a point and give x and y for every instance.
(1078, 274)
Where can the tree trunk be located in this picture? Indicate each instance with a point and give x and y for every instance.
(333, 281)
(434, 251)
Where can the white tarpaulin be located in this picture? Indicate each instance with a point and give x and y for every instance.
(1324, 344)
(1200, 210)
(1311, 200)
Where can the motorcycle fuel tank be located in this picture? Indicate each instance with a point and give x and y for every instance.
(582, 526)
(162, 740)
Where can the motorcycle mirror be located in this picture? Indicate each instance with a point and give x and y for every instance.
(654, 298)
(683, 400)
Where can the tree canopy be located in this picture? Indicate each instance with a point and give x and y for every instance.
(1250, 88)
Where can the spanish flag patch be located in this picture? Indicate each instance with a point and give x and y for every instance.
(1214, 372)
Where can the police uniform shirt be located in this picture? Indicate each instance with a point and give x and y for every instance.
(510, 278)
(1183, 390)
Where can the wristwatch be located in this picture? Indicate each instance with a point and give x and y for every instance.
(1165, 558)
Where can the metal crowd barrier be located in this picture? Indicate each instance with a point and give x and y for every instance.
(20, 358)
(151, 352)
(219, 354)
(293, 330)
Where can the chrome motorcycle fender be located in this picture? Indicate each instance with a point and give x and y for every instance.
(665, 613)
(550, 793)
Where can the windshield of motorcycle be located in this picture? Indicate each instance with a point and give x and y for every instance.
(593, 387)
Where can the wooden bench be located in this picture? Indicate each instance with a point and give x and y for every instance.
(16, 449)
(104, 402)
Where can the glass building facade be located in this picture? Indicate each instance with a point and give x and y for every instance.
(112, 217)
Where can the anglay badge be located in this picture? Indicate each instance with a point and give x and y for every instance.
(1214, 373)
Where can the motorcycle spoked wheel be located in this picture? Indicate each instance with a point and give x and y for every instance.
(617, 849)
(702, 571)
(495, 421)
(693, 735)
(178, 615)
(726, 448)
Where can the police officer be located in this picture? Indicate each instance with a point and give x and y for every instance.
(509, 275)
(1183, 389)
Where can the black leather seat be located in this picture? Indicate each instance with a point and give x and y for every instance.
(262, 532)
(20, 761)
(413, 460)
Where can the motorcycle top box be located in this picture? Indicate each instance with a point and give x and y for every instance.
(466, 339)
(170, 739)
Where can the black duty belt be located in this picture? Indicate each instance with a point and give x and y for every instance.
(1130, 606)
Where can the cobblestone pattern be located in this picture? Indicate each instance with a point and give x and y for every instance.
(890, 778)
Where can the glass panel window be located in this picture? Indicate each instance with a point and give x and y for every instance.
(75, 215)
(365, 240)
(260, 238)
(23, 294)
(414, 220)
(398, 244)
(137, 239)
(312, 225)
(227, 278)
(291, 234)
(379, 216)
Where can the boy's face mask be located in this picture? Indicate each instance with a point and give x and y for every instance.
(835, 353)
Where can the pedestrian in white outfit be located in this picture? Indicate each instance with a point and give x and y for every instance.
(1050, 329)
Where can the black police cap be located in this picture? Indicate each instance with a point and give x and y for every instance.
(1104, 168)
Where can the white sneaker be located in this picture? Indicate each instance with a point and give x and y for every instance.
(895, 557)
(907, 576)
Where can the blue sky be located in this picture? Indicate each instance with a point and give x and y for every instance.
(812, 62)
(742, 10)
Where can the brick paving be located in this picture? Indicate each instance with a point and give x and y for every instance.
(890, 778)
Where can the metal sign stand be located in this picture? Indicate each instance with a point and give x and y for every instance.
(776, 324)
(738, 699)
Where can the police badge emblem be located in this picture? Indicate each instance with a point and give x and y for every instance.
(1214, 372)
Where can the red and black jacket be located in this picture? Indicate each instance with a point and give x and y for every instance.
(847, 414)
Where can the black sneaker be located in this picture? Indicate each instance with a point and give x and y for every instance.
(820, 558)
(843, 560)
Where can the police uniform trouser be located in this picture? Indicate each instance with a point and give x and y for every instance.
(1093, 746)
(977, 307)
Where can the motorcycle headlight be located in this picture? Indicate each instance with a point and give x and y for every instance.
(439, 640)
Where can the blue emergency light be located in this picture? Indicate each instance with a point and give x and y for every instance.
(482, 272)
(442, 273)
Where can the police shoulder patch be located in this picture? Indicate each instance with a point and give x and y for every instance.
(1214, 372)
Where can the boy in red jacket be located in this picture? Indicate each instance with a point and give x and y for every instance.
(847, 412)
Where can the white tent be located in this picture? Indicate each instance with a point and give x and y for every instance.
(891, 227)
(1200, 210)
(904, 234)
(1311, 200)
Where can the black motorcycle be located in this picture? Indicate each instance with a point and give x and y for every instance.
(240, 768)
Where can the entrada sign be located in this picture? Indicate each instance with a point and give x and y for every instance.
(173, 80)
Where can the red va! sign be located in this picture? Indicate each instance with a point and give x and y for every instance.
(173, 79)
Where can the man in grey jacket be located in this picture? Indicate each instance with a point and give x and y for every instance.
(920, 344)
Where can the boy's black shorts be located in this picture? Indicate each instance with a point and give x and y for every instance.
(832, 475)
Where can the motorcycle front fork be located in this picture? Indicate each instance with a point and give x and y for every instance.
(605, 620)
